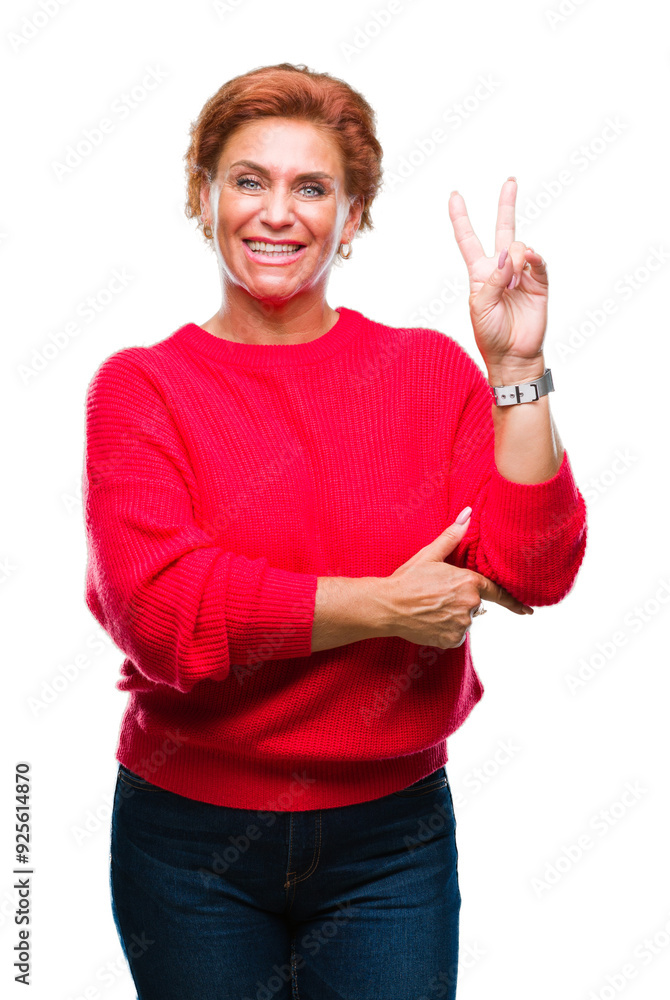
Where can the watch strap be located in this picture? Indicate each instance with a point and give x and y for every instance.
(523, 392)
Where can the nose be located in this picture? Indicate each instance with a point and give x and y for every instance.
(277, 210)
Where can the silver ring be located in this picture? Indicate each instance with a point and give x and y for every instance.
(481, 610)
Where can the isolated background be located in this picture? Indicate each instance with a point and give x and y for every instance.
(540, 763)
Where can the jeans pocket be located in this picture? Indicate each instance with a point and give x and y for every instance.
(129, 777)
(431, 783)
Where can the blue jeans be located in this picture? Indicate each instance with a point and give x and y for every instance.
(357, 902)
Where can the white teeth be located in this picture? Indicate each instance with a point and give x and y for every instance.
(271, 247)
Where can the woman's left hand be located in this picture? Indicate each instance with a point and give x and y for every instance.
(509, 323)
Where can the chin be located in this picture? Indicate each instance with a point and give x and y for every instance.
(274, 296)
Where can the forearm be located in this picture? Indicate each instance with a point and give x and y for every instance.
(528, 448)
(348, 609)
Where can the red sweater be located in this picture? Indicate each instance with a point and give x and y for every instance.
(222, 478)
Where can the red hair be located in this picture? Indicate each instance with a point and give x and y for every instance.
(288, 91)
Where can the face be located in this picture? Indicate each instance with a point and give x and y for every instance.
(281, 182)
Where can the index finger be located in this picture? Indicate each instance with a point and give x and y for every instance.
(468, 243)
(490, 591)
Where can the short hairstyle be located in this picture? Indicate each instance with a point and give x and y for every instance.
(288, 91)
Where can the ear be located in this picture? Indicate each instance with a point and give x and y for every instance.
(354, 217)
(204, 198)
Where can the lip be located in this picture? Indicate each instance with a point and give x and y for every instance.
(276, 243)
(282, 261)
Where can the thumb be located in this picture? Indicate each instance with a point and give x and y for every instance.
(448, 539)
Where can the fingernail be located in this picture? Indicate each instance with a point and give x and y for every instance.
(502, 258)
(527, 610)
(512, 281)
(464, 515)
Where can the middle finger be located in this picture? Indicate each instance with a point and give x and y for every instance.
(505, 223)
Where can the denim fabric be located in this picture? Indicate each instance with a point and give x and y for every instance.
(357, 902)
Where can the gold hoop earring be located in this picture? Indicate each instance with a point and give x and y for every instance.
(210, 234)
(345, 256)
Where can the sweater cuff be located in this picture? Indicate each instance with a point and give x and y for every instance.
(285, 605)
(529, 508)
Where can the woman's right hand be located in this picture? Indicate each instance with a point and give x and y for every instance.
(431, 602)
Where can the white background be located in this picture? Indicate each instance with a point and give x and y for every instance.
(537, 923)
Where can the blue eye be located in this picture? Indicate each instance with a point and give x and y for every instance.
(315, 187)
(320, 190)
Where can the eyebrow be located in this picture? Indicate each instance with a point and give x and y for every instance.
(261, 170)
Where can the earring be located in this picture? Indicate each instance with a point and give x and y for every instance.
(345, 256)
(208, 235)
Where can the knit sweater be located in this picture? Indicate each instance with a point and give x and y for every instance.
(221, 479)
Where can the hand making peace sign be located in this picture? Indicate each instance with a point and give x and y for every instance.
(508, 322)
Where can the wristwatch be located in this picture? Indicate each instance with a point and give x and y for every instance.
(524, 392)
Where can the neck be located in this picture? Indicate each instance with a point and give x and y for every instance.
(247, 320)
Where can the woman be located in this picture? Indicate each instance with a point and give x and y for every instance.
(271, 505)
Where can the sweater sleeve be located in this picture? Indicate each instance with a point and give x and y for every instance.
(529, 538)
(178, 605)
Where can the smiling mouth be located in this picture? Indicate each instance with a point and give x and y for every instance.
(273, 249)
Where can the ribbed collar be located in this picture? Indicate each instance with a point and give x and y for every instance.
(198, 340)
